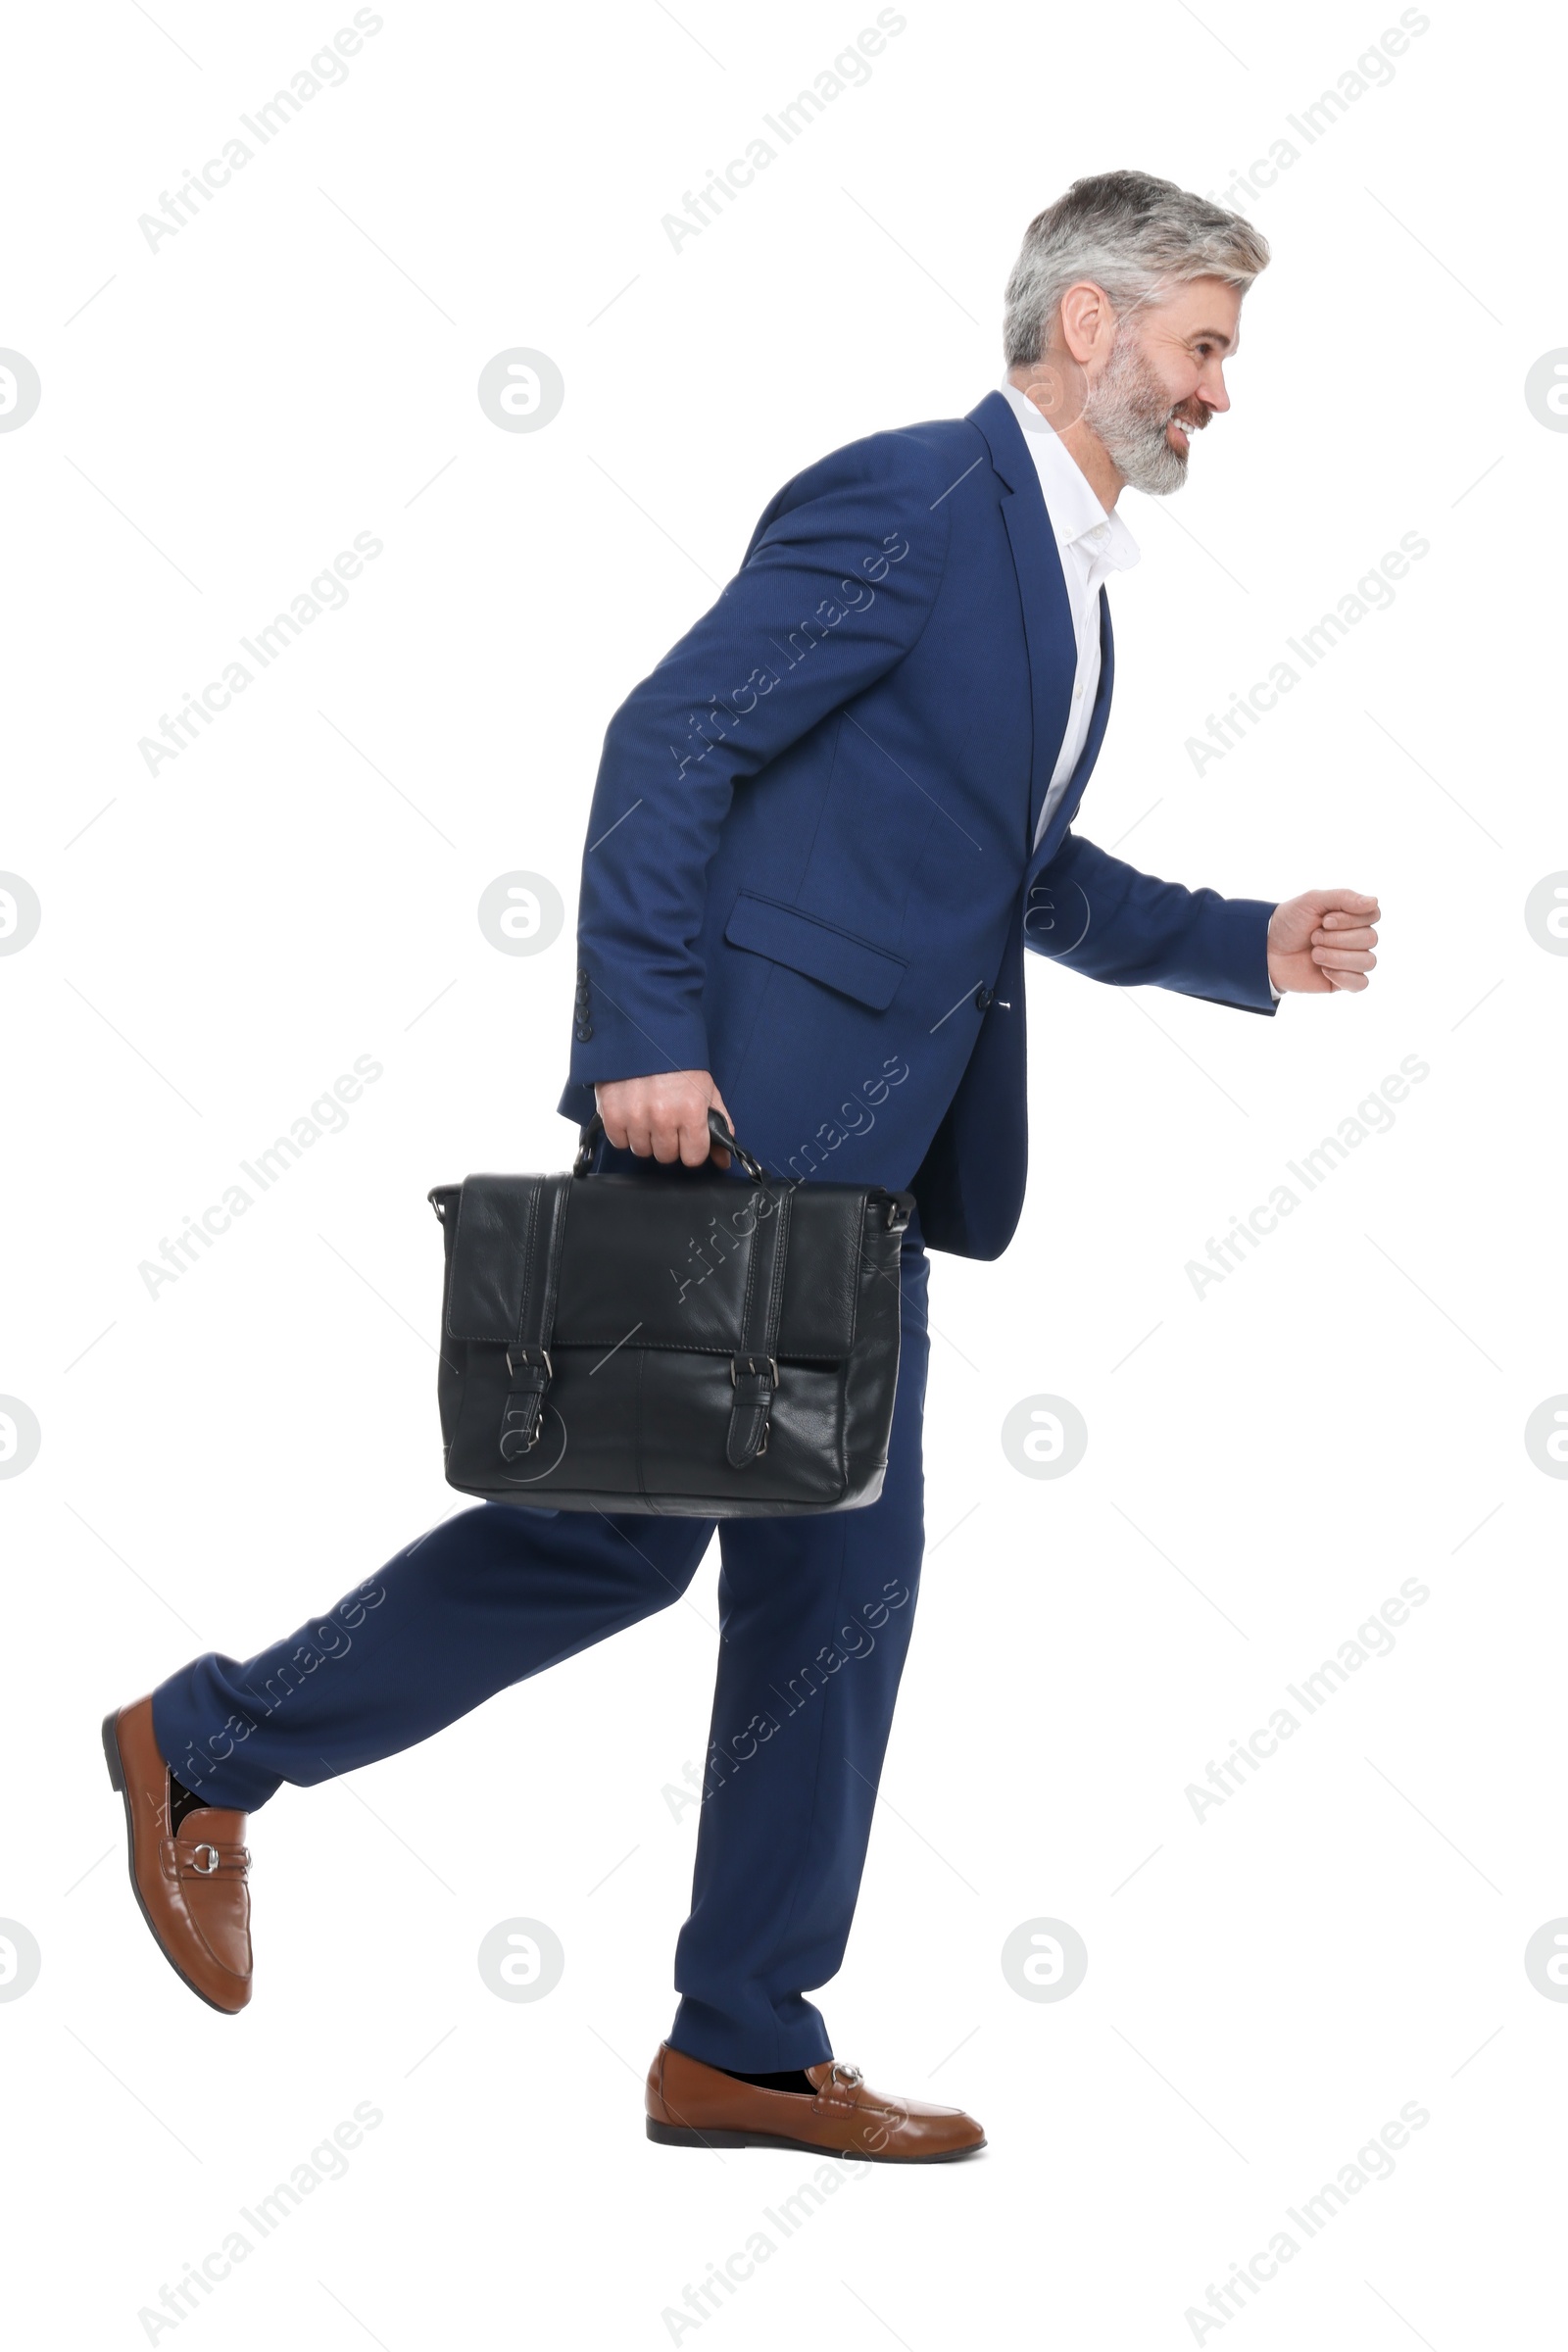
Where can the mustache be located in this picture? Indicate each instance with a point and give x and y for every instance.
(1192, 418)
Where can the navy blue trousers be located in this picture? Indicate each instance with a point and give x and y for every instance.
(814, 1617)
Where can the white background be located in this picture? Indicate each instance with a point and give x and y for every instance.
(1342, 1936)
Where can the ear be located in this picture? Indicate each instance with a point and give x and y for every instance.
(1087, 324)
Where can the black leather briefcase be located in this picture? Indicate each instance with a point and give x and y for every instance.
(703, 1346)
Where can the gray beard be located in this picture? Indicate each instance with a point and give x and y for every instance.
(1129, 409)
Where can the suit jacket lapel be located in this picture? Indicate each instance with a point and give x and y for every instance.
(1042, 591)
(1067, 806)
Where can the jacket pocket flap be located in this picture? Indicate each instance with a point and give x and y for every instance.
(806, 944)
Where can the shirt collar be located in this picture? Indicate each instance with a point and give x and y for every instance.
(1077, 517)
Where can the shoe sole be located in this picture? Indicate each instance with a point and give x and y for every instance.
(116, 1782)
(671, 2136)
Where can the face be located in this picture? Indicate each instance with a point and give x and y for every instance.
(1163, 381)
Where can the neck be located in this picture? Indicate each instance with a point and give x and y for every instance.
(1046, 389)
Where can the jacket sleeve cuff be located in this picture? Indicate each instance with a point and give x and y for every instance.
(1253, 919)
(612, 1039)
(1238, 972)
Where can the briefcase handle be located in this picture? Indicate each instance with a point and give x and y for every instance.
(717, 1127)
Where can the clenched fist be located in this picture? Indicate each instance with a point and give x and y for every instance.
(666, 1116)
(1322, 941)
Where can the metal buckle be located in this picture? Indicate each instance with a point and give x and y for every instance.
(850, 2075)
(524, 1354)
(205, 1869)
(750, 1361)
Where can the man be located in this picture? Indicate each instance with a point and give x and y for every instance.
(825, 830)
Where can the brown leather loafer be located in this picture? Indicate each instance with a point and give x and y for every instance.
(190, 1883)
(695, 2106)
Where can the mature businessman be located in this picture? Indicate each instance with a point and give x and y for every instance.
(824, 831)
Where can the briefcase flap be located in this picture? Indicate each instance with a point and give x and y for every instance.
(657, 1263)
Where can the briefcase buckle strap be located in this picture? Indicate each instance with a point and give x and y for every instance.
(754, 1367)
(528, 1364)
(754, 1377)
(522, 1415)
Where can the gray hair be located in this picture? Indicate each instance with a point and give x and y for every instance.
(1134, 237)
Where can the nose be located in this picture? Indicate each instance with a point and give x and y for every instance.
(1212, 393)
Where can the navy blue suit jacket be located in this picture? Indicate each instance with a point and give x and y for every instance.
(810, 865)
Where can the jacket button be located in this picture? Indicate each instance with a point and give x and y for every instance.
(984, 997)
(583, 1032)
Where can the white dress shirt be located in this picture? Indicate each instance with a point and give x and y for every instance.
(1092, 545)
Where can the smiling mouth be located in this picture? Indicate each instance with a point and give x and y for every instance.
(1179, 432)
